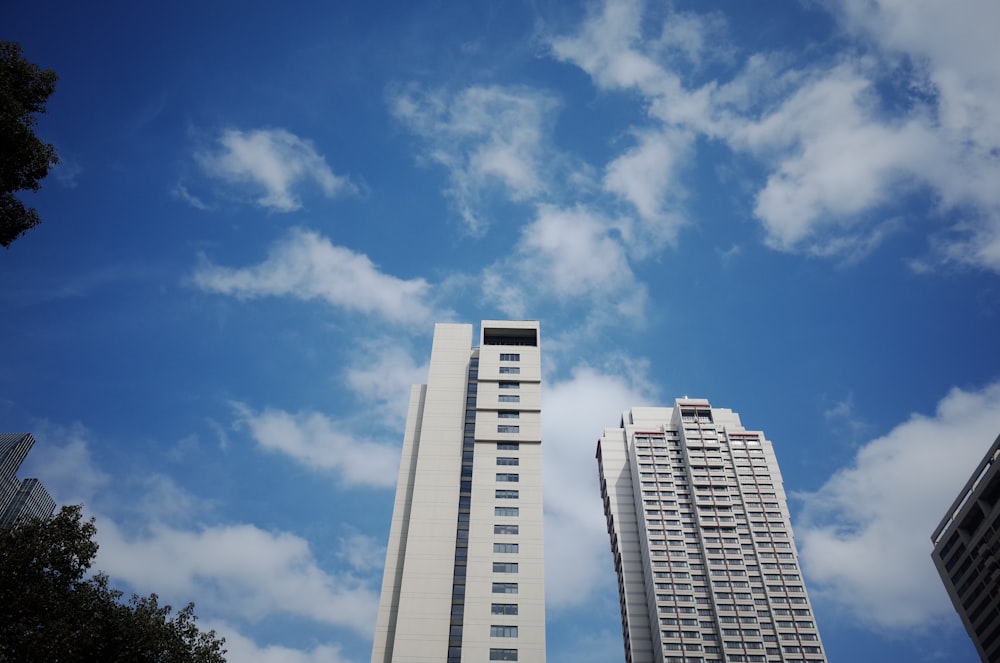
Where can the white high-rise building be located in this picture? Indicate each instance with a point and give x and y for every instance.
(702, 543)
(463, 575)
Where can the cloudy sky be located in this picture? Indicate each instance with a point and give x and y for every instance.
(789, 208)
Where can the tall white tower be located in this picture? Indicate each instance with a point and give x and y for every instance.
(464, 572)
(702, 543)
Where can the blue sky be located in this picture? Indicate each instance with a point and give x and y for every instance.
(790, 209)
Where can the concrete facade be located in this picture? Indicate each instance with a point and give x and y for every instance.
(967, 555)
(464, 578)
(702, 543)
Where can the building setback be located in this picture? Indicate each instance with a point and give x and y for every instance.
(702, 543)
(464, 567)
(967, 555)
(20, 501)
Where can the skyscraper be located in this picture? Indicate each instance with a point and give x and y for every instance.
(967, 555)
(703, 547)
(19, 501)
(464, 568)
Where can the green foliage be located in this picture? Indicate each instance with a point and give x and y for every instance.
(24, 159)
(50, 611)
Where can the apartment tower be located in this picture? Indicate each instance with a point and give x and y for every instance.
(463, 575)
(702, 544)
(967, 555)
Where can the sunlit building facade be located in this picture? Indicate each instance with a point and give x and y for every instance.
(463, 577)
(702, 544)
(967, 555)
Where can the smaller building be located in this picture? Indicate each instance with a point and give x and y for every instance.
(31, 502)
(967, 555)
(20, 500)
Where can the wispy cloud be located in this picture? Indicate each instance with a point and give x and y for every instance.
(322, 444)
(62, 458)
(308, 266)
(181, 192)
(864, 536)
(485, 137)
(362, 553)
(274, 161)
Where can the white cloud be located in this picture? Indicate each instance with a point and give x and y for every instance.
(323, 444)
(275, 161)
(573, 253)
(571, 256)
(577, 410)
(244, 650)
(835, 157)
(308, 266)
(864, 536)
(644, 176)
(238, 570)
(383, 375)
(485, 136)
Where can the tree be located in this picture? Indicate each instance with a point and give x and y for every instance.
(24, 159)
(51, 611)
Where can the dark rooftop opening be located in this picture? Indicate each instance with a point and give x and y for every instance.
(503, 336)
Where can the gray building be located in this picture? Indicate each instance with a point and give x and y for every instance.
(463, 574)
(702, 543)
(967, 555)
(31, 502)
(19, 500)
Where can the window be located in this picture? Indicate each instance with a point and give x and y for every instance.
(507, 461)
(508, 429)
(505, 529)
(503, 654)
(505, 588)
(508, 414)
(507, 494)
(504, 567)
(510, 370)
(508, 446)
(505, 548)
(509, 398)
(505, 511)
(504, 609)
(510, 356)
(509, 385)
(508, 477)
